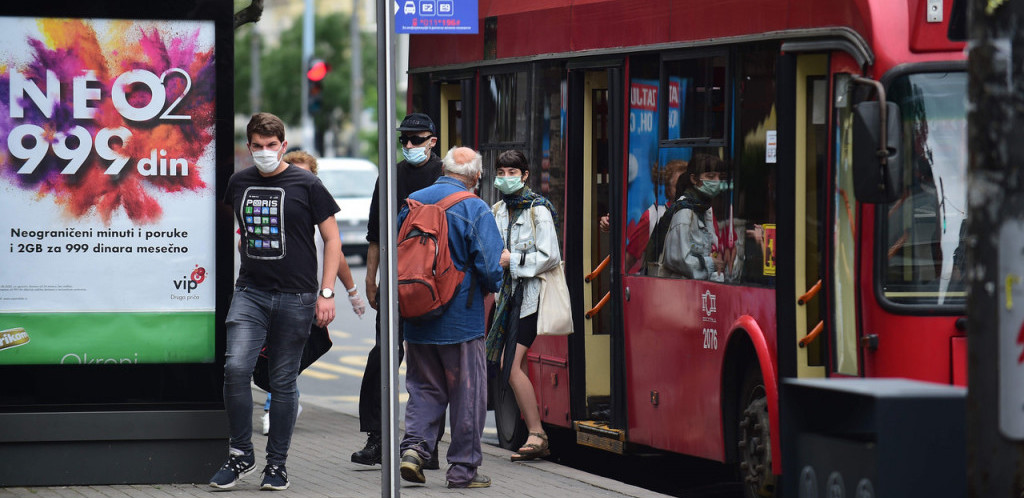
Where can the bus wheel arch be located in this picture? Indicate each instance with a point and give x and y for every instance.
(749, 414)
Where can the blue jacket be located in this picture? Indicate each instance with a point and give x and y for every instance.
(475, 245)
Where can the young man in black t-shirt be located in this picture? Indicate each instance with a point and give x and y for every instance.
(277, 295)
(419, 169)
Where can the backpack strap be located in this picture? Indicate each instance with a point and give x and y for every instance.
(454, 198)
(447, 202)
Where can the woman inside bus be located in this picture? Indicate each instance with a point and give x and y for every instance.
(526, 221)
(691, 237)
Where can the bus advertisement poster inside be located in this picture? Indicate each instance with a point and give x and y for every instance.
(107, 172)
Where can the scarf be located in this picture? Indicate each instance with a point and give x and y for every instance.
(510, 296)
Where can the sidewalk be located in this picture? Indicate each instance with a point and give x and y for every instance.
(319, 466)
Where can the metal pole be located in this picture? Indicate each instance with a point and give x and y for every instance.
(388, 305)
(356, 97)
(995, 235)
(307, 53)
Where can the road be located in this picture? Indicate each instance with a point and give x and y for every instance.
(334, 380)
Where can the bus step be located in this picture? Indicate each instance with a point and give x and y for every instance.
(597, 434)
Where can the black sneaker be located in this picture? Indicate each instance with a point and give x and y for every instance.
(432, 463)
(275, 478)
(412, 467)
(479, 481)
(238, 466)
(370, 454)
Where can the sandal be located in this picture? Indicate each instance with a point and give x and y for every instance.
(532, 450)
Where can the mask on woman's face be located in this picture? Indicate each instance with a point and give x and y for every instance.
(508, 184)
(415, 155)
(266, 160)
(712, 188)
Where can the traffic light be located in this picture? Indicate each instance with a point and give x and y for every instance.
(315, 74)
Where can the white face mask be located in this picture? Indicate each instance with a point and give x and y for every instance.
(266, 160)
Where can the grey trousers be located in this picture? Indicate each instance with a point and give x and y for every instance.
(440, 376)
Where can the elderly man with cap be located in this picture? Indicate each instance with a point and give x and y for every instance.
(419, 169)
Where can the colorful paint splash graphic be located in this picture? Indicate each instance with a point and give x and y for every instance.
(108, 142)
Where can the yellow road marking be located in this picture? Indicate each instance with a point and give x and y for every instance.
(318, 375)
(349, 348)
(337, 368)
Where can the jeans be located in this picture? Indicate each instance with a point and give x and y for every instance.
(282, 320)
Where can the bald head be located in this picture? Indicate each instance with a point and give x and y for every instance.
(463, 163)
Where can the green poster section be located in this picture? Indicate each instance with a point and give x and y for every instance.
(91, 338)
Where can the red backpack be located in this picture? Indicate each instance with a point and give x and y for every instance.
(427, 278)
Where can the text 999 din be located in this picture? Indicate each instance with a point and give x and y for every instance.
(77, 150)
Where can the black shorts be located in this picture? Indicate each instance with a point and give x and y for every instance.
(527, 330)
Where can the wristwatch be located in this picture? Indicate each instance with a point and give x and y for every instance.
(327, 293)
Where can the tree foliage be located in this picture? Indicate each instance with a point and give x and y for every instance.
(282, 72)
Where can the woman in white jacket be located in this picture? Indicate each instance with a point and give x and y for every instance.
(691, 241)
(526, 221)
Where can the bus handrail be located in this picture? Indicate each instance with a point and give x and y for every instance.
(600, 268)
(813, 334)
(600, 304)
(813, 291)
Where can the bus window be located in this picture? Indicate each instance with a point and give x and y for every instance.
(756, 168)
(923, 230)
(550, 182)
(697, 89)
(504, 111)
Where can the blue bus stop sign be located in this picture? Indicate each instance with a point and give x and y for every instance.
(436, 17)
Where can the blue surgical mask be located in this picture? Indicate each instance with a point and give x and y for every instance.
(712, 188)
(508, 184)
(415, 155)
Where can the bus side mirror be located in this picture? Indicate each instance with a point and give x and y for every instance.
(877, 178)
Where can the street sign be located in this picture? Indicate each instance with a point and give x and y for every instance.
(436, 17)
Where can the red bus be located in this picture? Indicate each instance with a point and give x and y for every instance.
(828, 261)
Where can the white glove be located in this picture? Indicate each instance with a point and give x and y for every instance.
(358, 305)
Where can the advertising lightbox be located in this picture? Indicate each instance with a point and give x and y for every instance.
(107, 189)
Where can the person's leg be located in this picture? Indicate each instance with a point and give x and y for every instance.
(466, 373)
(247, 322)
(292, 317)
(428, 395)
(519, 380)
(369, 401)
(369, 389)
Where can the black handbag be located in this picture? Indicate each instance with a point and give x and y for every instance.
(318, 344)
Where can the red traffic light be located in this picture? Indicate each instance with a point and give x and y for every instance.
(317, 70)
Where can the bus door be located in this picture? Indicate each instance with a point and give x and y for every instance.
(843, 244)
(811, 160)
(455, 128)
(594, 157)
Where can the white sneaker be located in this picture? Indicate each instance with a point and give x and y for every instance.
(266, 423)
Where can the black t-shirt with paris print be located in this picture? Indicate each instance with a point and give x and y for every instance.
(276, 216)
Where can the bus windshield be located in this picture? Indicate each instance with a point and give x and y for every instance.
(924, 230)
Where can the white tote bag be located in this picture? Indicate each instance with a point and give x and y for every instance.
(554, 312)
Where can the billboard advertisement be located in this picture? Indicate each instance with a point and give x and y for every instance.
(107, 189)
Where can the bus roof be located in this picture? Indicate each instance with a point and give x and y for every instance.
(890, 32)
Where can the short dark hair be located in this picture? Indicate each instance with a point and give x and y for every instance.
(265, 124)
(512, 159)
(699, 164)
